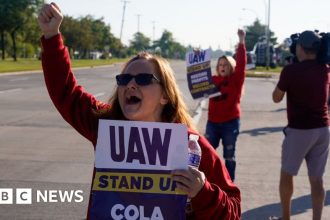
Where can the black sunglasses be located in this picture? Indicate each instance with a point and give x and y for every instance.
(142, 79)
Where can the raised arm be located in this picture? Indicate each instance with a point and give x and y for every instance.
(240, 56)
(75, 105)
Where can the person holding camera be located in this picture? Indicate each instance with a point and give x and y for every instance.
(306, 85)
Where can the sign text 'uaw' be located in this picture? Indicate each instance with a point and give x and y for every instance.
(133, 162)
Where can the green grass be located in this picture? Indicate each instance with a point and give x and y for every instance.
(270, 70)
(263, 72)
(9, 65)
(21, 65)
(258, 75)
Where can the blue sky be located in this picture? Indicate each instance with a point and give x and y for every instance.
(203, 23)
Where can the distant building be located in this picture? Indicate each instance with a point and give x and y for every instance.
(95, 55)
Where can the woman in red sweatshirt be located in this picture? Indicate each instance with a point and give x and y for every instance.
(146, 91)
(224, 110)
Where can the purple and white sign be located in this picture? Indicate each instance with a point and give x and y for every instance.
(133, 161)
(199, 74)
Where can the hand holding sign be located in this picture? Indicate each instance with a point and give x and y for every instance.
(190, 181)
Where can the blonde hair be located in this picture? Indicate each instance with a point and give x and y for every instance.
(231, 61)
(174, 111)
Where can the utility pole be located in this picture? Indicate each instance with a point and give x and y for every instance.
(268, 38)
(153, 31)
(122, 20)
(138, 22)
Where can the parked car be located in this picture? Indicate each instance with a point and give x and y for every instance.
(260, 50)
(251, 60)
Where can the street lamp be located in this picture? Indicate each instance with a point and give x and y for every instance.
(251, 10)
(153, 30)
(138, 22)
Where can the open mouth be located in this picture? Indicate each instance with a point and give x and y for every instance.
(132, 100)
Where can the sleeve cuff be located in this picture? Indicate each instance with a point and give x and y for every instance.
(204, 197)
(52, 44)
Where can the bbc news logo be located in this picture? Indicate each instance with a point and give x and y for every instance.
(26, 196)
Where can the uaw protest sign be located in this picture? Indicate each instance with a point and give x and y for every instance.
(133, 161)
(199, 75)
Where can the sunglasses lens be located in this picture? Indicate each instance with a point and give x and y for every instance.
(143, 79)
(123, 79)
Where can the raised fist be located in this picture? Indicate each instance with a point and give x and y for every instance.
(241, 35)
(49, 19)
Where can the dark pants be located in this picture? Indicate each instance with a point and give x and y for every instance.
(227, 132)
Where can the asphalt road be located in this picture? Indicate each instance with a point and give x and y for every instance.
(39, 150)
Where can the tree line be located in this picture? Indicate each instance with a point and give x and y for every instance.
(20, 35)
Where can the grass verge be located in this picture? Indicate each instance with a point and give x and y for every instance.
(262, 72)
(34, 64)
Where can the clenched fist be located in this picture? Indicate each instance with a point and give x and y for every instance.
(49, 19)
(241, 35)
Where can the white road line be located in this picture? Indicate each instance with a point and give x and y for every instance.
(21, 73)
(199, 110)
(10, 90)
(107, 76)
(99, 94)
(19, 79)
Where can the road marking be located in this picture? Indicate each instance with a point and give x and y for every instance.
(107, 76)
(19, 79)
(21, 73)
(99, 94)
(198, 111)
(10, 90)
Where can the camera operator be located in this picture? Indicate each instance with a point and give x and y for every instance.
(306, 84)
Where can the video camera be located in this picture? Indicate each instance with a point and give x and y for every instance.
(323, 54)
